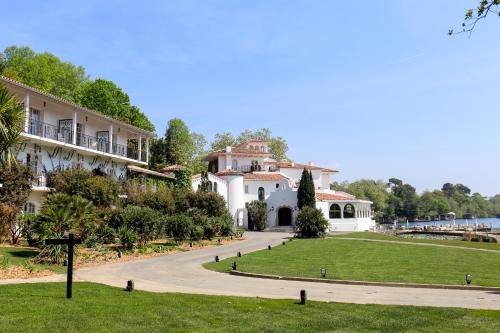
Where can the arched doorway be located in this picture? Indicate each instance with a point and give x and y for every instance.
(284, 216)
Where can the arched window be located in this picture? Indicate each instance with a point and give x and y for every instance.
(251, 147)
(335, 211)
(261, 194)
(349, 211)
(215, 187)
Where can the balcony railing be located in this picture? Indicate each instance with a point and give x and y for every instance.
(52, 132)
(250, 168)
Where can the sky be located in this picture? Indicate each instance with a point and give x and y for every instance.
(373, 89)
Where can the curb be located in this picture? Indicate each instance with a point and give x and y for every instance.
(364, 283)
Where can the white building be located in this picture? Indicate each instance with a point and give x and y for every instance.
(59, 134)
(247, 172)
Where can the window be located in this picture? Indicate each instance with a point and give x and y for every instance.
(246, 189)
(277, 185)
(234, 165)
(215, 187)
(29, 208)
(262, 148)
(335, 212)
(261, 194)
(349, 212)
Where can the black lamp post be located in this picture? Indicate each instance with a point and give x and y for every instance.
(216, 258)
(269, 247)
(303, 297)
(239, 254)
(468, 279)
(130, 285)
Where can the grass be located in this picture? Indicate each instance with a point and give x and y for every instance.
(18, 256)
(370, 261)
(98, 308)
(374, 235)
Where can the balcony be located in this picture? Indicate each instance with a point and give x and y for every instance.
(52, 132)
(255, 167)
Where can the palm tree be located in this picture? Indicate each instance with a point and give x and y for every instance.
(11, 126)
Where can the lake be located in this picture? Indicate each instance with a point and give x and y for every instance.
(493, 221)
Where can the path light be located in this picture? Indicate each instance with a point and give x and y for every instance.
(269, 247)
(190, 244)
(216, 258)
(233, 266)
(468, 279)
(130, 285)
(323, 272)
(284, 243)
(65, 262)
(119, 253)
(239, 254)
(303, 297)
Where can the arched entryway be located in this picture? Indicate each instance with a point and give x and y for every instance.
(284, 216)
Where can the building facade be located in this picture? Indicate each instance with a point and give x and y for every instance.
(247, 172)
(60, 135)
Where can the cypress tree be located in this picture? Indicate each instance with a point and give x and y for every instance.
(311, 192)
(301, 192)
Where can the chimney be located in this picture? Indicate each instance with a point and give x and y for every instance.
(311, 163)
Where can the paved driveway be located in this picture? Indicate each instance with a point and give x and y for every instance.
(183, 272)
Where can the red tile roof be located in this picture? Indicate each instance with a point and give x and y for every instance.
(331, 197)
(229, 173)
(272, 176)
(293, 165)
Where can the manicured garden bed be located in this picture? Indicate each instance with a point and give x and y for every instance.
(15, 262)
(370, 261)
(98, 308)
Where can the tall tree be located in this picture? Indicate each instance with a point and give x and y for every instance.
(107, 98)
(306, 194)
(179, 145)
(277, 145)
(44, 71)
(473, 16)
(11, 126)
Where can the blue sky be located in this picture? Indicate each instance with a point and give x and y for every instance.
(375, 89)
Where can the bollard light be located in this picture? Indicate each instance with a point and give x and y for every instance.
(269, 247)
(323, 272)
(239, 254)
(130, 285)
(65, 263)
(303, 297)
(468, 279)
(284, 243)
(216, 258)
(190, 244)
(119, 254)
(233, 266)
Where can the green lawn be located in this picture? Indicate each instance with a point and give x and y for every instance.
(374, 235)
(18, 256)
(371, 261)
(98, 308)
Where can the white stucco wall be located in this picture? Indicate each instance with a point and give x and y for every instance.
(361, 222)
(221, 184)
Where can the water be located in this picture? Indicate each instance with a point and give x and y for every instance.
(493, 221)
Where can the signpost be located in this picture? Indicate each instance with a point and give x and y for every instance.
(70, 242)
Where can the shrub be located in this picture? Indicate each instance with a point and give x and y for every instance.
(310, 223)
(101, 190)
(54, 254)
(179, 227)
(144, 221)
(212, 204)
(197, 233)
(64, 214)
(257, 213)
(224, 225)
(127, 238)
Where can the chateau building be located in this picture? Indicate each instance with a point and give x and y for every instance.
(247, 172)
(60, 135)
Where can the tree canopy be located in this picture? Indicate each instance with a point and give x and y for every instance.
(277, 145)
(48, 73)
(484, 9)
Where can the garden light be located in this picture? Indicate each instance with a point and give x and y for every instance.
(239, 254)
(468, 279)
(303, 297)
(130, 285)
(233, 266)
(216, 258)
(323, 272)
(269, 247)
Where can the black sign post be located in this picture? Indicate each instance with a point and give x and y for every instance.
(70, 241)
